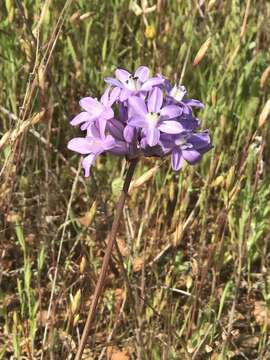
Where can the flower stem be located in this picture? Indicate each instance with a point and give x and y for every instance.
(100, 284)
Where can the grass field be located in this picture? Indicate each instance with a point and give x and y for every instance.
(195, 244)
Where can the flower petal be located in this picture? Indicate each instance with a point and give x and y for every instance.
(138, 121)
(138, 105)
(114, 95)
(82, 145)
(191, 155)
(152, 136)
(107, 114)
(122, 75)
(87, 162)
(113, 82)
(82, 117)
(167, 142)
(143, 73)
(189, 123)
(120, 148)
(154, 81)
(92, 131)
(167, 85)
(171, 111)
(116, 129)
(186, 109)
(105, 97)
(129, 133)
(200, 140)
(177, 159)
(193, 102)
(123, 114)
(91, 105)
(124, 95)
(155, 100)
(151, 150)
(171, 127)
(86, 125)
(108, 143)
(102, 122)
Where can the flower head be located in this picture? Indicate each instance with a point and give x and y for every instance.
(140, 116)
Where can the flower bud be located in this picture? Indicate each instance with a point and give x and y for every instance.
(150, 32)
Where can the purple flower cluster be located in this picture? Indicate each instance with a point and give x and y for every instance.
(140, 115)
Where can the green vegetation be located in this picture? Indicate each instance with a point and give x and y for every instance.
(195, 244)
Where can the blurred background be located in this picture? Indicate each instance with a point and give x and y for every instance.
(195, 244)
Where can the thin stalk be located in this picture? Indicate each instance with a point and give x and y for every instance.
(100, 284)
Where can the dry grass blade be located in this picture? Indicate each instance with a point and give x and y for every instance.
(11, 136)
(244, 25)
(143, 178)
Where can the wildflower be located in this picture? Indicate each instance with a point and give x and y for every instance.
(140, 116)
(189, 146)
(93, 145)
(133, 84)
(96, 111)
(154, 117)
(150, 32)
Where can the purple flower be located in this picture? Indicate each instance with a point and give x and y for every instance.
(96, 111)
(138, 115)
(133, 84)
(154, 117)
(189, 147)
(93, 145)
